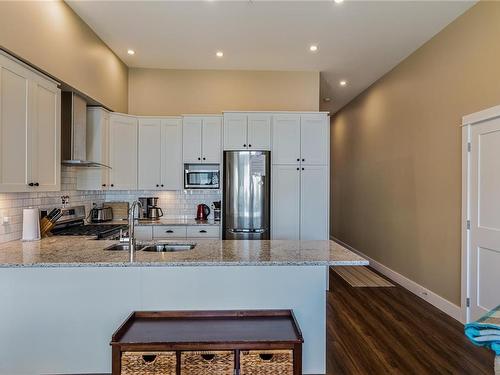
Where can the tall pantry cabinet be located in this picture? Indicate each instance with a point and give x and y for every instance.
(30, 129)
(300, 176)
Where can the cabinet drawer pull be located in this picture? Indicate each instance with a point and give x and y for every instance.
(208, 357)
(149, 358)
(266, 357)
(169, 231)
(203, 231)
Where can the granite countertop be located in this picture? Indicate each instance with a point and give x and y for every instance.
(85, 252)
(176, 221)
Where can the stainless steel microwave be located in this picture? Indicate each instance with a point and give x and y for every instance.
(201, 176)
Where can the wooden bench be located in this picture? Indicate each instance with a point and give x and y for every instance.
(249, 342)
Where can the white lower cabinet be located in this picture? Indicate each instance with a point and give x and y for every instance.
(300, 202)
(176, 232)
(30, 129)
(285, 211)
(314, 202)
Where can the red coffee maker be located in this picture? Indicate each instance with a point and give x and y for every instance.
(202, 212)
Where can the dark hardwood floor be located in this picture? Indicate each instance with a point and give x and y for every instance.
(391, 331)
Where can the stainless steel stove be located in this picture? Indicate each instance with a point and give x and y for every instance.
(72, 223)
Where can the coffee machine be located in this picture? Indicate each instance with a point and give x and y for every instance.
(150, 209)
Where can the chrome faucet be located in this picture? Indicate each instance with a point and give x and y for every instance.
(131, 228)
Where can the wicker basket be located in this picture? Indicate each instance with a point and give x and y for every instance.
(207, 363)
(266, 362)
(148, 363)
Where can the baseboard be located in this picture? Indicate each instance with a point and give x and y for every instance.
(442, 304)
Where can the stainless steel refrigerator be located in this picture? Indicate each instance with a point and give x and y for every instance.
(246, 203)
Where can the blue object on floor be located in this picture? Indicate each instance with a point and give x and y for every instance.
(486, 331)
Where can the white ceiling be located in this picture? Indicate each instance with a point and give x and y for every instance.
(358, 40)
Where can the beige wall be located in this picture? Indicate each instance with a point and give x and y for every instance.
(174, 92)
(52, 37)
(396, 152)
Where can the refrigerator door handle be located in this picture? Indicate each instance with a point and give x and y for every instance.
(247, 230)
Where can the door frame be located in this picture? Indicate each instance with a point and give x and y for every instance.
(468, 122)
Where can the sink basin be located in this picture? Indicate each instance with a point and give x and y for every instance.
(122, 247)
(170, 246)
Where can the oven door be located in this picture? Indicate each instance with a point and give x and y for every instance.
(201, 179)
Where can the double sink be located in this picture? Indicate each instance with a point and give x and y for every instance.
(156, 247)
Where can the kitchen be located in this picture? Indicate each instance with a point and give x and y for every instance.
(142, 188)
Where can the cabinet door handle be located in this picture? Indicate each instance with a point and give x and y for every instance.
(244, 145)
(103, 185)
(298, 168)
(169, 231)
(199, 158)
(204, 158)
(303, 159)
(157, 185)
(37, 184)
(249, 145)
(298, 159)
(112, 185)
(161, 185)
(302, 168)
(203, 231)
(31, 184)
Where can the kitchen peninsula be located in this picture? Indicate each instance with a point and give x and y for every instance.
(74, 292)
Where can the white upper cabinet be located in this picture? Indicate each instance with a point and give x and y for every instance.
(171, 154)
(191, 139)
(301, 139)
(235, 131)
(46, 139)
(97, 150)
(150, 146)
(314, 139)
(123, 152)
(159, 153)
(244, 131)
(314, 206)
(211, 140)
(30, 129)
(286, 139)
(201, 139)
(259, 132)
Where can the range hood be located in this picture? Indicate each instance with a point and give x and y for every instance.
(74, 132)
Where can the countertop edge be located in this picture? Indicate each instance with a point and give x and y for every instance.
(186, 264)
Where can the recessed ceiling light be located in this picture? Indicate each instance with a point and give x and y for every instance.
(219, 54)
(338, 1)
(343, 83)
(131, 52)
(313, 48)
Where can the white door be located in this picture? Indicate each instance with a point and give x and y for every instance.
(15, 158)
(259, 132)
(46, 137)
(314, 207)
(123, 152)
(285, 209)
(171, 154)
(286, 139)
(314, 139)
(191, 139)
(211, 140)
(235, 132)
(149, 159)
(484, 253)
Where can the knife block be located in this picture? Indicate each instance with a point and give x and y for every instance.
(45, 227)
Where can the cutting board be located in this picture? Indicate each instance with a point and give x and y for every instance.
(120, 210)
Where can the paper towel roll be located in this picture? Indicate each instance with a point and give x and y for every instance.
(31, 224)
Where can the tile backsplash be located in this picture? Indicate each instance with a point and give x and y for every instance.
(173, 203)
(12, 204)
